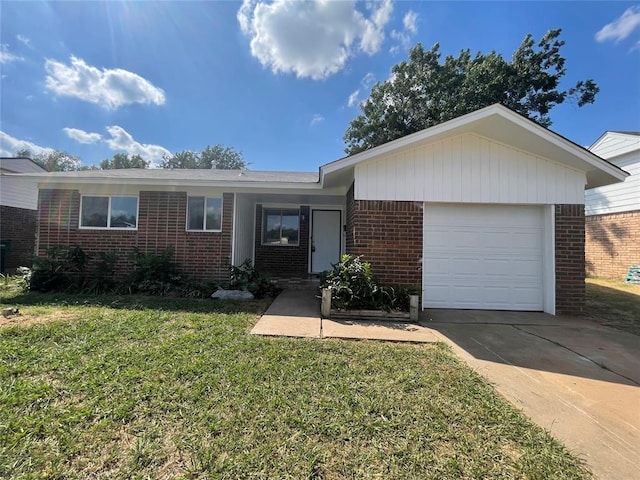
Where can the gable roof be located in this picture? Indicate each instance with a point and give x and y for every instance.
(614, 143)
(494, 122)
(19, 165)
(501, 124)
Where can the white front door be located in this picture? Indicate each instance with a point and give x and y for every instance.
(325, 239)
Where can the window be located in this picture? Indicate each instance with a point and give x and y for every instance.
(204, 213)
(280, 226)
(109, 212)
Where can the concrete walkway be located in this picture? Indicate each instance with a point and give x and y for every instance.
(296, 313)
(578, 380)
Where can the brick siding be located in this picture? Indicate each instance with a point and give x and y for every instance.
(570, 260)
(283, 260)
(389, 235)
(18, 225)
(612, 244)
(161, 223)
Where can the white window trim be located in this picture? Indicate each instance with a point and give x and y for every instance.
(81, 227)
(271, 207)
(204, 218)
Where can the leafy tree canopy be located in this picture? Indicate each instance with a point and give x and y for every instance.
(218, 156)
(122, 160)
(54, 161)
(424, 91)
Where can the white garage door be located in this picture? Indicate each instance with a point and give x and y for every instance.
(483, 257)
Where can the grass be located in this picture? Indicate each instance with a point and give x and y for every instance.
(138, 387)
(614, 304)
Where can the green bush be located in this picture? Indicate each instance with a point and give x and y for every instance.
(155, 274)
(353, 287)
(246, 277)
(57, 270)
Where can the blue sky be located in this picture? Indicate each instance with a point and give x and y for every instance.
(277, 80)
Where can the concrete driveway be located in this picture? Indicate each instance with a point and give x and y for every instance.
(578, 380)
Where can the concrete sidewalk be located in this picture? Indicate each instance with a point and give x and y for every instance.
(296, 313)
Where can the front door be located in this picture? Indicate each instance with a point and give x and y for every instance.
(325, 239)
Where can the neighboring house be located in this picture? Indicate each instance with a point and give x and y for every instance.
(485, 211)
(18, 212)
(613, 211)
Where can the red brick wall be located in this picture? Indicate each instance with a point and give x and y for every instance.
(19, 226)
(161, 223)
(283, 260)
(612, 244)
(570, 261)
(389, 235)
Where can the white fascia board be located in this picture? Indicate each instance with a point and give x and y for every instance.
(467, 120)
(70, 181)
(561, 142)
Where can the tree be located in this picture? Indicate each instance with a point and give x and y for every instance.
(423, 92)
(218, 156)
(122, 160)
(53, 161)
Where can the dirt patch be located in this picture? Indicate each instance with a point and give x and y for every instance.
(26, 319)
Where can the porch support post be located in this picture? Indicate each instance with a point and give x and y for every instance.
(413, 307)
(325, 309)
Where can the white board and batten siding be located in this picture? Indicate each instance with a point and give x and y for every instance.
(622, 150)
(469, 169)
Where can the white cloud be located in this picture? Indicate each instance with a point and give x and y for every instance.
(409, 21)
(353, 98)
(403, 37)
(621, 27)
(317, 118)
(23, 39)
(110, 88)
(10, 145)
(122, 140)
(313, 38)
(81, 136)
(6, 56)
(367, 82)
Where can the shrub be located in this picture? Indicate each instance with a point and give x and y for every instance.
(155, 274)
(246, 277)
(353, 287)
(52, 272)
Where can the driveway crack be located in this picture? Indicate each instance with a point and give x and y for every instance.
(601, 365)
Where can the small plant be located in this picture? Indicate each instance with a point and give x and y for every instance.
(17, 283)
(353, 287)
(246, 277)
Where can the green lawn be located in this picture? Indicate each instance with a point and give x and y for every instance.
(614, 303)
(167, 388)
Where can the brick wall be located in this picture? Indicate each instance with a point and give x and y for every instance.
(570, 260)
(18, 225)
(283, 260)
(389, 235)
(612, 244)
(161, 223)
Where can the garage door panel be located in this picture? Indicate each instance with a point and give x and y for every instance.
(483, 256)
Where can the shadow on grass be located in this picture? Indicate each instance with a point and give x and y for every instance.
(137, 302)
(613, 307)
